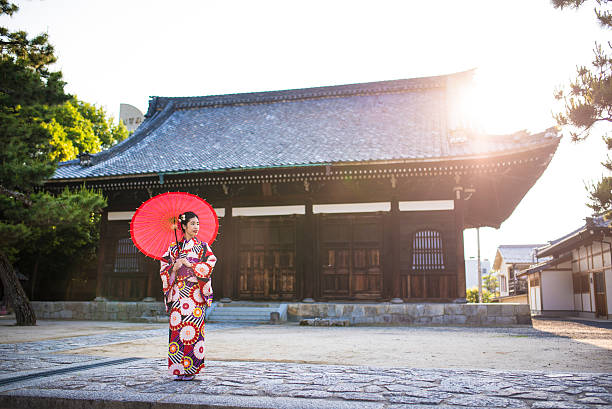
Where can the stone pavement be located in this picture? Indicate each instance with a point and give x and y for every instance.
(33, 375)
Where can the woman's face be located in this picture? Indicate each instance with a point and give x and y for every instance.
(192, 228)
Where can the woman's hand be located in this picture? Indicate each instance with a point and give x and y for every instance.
(181, 262)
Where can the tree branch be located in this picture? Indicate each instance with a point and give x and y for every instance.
(17, 195)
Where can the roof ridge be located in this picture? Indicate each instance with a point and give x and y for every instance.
(141, 132)
(157, 103)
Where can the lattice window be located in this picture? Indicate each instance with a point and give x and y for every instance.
(427, 251)
(127, 258)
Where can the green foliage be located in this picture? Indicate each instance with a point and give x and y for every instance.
(589, 101)
(28, 89)
(491, 283)
(63, 225)
(77, 127)
(472, 295)
(39, 125)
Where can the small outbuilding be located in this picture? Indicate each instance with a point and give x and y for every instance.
(576, 280)
(510, 259)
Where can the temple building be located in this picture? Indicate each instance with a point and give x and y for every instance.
(349, 192)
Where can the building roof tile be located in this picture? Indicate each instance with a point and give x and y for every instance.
(401, 120)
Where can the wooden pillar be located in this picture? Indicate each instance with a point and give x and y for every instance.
(101, 254)
(460, 257)
(395, 252)
(153, 281)
(228, 254)
(308, 249)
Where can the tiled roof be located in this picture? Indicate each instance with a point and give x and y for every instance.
(519, 254)
(403, 120)
(562, 243)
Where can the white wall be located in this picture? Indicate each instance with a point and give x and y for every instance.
(557, 291)
(471, 271)
(503, 272)
(534, 298)
(608, 278)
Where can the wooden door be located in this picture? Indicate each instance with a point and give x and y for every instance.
(266, 258)
(351, 247)
(128, 279)
(601, 308)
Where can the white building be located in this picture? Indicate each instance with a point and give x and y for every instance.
(131, 116)
(471, 271)
(577, 281)
(510, 259)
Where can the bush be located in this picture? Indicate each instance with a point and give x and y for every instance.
(472, 295)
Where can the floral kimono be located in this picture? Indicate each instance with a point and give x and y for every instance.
(186, 298)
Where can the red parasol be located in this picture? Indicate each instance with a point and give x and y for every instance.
(154, 225)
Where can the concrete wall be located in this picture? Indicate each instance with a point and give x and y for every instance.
(557, 290)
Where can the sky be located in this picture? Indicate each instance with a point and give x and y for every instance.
(115, 51)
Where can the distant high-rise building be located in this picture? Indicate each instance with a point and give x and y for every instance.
(471, 271)
(131, 116)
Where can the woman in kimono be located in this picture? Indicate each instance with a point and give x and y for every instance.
(185, 273)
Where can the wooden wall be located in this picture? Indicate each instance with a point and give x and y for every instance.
(348, 258)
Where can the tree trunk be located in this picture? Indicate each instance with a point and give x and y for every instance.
(16, 297)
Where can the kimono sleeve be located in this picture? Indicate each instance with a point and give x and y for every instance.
(165, 270)
(204, 268)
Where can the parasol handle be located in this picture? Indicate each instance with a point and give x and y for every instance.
(176, 237)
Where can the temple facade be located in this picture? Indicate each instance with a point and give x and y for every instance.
(350, 192)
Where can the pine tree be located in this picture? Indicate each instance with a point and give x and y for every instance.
(32, 99)
(589, 102)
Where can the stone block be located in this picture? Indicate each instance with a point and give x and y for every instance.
(454, 309)
(403, 319)
(458, 319)
(333, 310)
(432, 310)
(65, 314)
(112, 307)
(438, 319)
(132, 310)
(494, 310)
(524, 319)
(473, 319)
(505, 320)
(293, 310)
(523, 309)
(358, 311)
(508, 310)
(489, 320)
(371, 311)
(347, 310)
(423, 320)
(399, 309)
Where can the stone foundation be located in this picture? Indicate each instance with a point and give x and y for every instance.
(101, 311)
(418, 313)
(380, 313)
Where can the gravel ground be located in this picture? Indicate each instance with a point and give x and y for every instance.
(554, 345)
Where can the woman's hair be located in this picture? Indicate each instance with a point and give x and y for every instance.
(185, 217)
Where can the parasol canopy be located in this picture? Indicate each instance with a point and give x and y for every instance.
(154, 224)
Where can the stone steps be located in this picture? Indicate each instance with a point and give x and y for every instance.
(247, 312)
